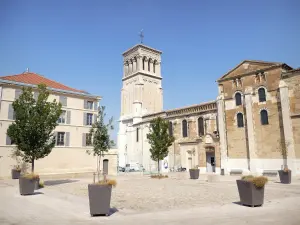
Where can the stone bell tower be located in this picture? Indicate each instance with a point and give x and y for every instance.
(141, 81)
(141, 92)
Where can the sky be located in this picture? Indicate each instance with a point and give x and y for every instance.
(80, 43)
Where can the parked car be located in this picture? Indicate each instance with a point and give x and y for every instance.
(121, 169)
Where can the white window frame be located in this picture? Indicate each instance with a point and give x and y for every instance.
(63, 116)
(89, 119)
(60, 139)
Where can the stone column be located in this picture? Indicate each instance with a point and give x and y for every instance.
(158, 69)
(146, 64)
(250, 129)
(130, 67)
(287, 125)
(222, 133)
(125, 69)
(139, 63)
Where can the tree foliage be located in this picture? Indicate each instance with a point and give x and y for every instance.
(159, 139)
(101, 141)
(35, 120)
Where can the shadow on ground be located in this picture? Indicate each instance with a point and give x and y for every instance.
(111, 212)
(58, 182)
(239, 203)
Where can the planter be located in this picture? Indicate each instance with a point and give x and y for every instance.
(194, 173)
(37, 184)
(285, 177)
(26, 186)
(249, 194)
(15, 174)
(99, 198)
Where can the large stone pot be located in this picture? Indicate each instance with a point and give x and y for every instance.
(99, 199)
(194, 173)
(37, 183)
(249, 194)
(285, 176)
(15, 174)
(26, 186)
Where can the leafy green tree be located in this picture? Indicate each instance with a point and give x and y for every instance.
(99, 136)
(159, 139)
(35, 120)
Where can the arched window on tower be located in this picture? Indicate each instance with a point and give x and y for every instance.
(144, 59)
(238, 99)
(240, 120)
(264, 117)
(154, 64)
(170, 128)
(262, 95)
(149, 65)
(200, 126)
(184, 128)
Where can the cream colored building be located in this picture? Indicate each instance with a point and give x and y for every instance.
(255, 115)
(79, 112)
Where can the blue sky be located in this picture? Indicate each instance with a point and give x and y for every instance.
(79, 43)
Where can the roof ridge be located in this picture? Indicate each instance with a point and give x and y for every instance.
(63, 86)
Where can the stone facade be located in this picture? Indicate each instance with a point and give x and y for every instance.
(256, 144)
(254, 117)
(69, 156)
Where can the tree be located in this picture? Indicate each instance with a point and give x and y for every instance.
(35, 120)
(159, 139)
(100, 140)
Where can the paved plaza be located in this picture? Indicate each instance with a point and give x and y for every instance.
(140, 199)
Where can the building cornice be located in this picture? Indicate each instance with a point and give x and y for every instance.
(134, 48)
(14, 83)
(285, 66)
(141, 73)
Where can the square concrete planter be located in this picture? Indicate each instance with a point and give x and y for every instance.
(99, 199)
(37, 184)
(26, 186)
(249, 194)
(194, 173)
(15, 174)
(285, 177)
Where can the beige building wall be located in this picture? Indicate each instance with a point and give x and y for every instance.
(71, 157)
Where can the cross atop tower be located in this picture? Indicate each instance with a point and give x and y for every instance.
(141, 35)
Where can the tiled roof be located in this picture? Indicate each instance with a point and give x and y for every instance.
(35, 79)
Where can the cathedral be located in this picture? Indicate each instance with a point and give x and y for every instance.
(253, 122)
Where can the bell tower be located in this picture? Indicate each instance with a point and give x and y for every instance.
(141, 94)
(141, 81)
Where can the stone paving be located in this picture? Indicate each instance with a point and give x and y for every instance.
(175, 200)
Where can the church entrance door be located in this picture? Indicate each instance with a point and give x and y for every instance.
(210, 162)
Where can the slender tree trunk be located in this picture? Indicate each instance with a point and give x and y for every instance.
(32, 165)
(158, 166)
(99, 168)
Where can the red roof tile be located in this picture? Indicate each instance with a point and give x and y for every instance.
(35, 79)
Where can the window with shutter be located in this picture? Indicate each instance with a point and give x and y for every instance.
(60, 139)
(62, 118)
(89, 119)
(88, 139)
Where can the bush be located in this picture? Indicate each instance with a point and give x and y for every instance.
(41, 184)
(31, 176)
(159, 176)
(108, 182)
(258, 181)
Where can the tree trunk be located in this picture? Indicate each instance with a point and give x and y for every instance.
(32, 165)
(158, 165)
(99, 168)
